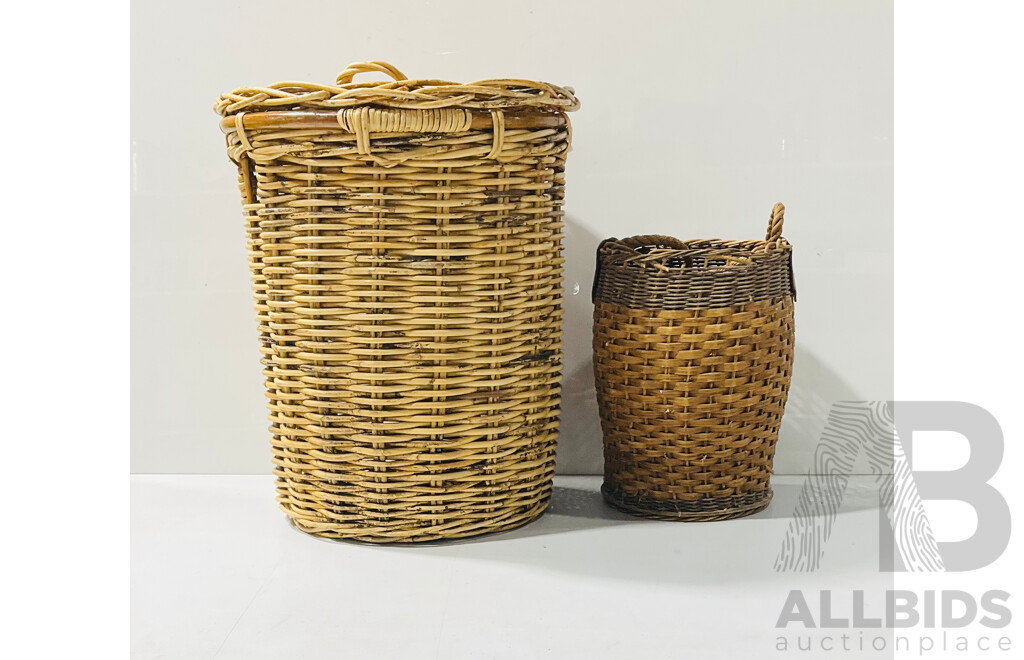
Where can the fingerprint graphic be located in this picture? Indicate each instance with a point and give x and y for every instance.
(856, 428)
(911, 530)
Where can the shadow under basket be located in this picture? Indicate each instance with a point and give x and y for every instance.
(693, 353)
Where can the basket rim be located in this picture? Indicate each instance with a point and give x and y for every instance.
(401, 92)
(672, 254)
(328, 120)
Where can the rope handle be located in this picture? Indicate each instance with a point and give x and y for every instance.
(774, 233)
(356, 68)
(773, 239)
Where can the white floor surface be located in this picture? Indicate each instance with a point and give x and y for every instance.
(218, 573)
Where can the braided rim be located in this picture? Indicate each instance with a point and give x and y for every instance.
(418, 94)
(666, 253)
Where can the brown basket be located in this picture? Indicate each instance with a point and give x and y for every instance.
(693, 350)
(405, 243)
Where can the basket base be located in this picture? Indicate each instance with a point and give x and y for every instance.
(411, 535)
(704, 510)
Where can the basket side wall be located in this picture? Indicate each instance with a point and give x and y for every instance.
(410, 317)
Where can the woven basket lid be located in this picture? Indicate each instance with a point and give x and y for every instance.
(401, 92)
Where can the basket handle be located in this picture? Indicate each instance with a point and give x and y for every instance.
(774, 237)
(774, 232)
(355, 68)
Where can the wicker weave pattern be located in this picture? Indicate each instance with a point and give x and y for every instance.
(692, 357)
(692, 399)
(408, 291)
(702, 510)
(719, 273)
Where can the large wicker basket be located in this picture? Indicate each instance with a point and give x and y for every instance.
(405, 242)
(693, 349)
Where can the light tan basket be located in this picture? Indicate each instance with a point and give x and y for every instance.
(405, 243)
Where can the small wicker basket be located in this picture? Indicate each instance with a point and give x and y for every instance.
(693, 351)
(405, 245)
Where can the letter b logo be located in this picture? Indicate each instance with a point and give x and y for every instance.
(967, 484)
(884, 433)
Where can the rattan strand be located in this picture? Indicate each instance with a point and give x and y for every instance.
(704, 510)
(401, 92)
(693, 353)
(408, 292)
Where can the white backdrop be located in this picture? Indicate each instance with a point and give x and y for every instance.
(696, 117)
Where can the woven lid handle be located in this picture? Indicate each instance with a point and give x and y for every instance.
(355, 68)
(775, 223)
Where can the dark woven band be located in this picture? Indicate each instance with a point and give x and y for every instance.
(659, 272)
(703, 510)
